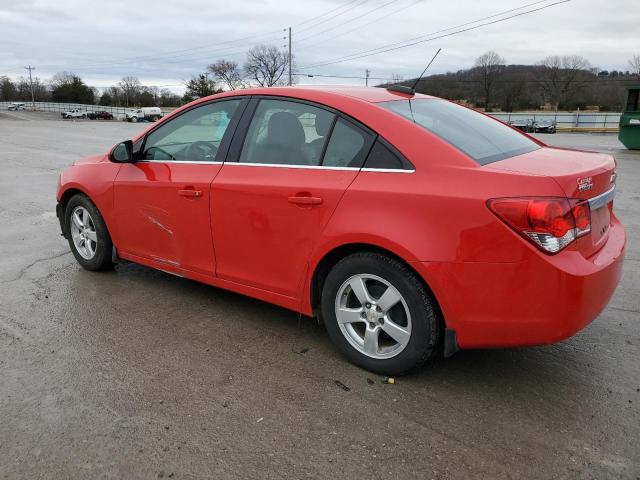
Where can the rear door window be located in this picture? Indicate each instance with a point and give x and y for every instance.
(482, 138)
(348, 145)
(286, 133)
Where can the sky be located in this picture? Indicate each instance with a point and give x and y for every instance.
(164, 43)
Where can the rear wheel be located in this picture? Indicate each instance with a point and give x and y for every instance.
(379, 314)
(134, 119)
(87, 233)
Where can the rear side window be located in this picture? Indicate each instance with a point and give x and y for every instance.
(482, 138)
(286, 133)
(383, 157)
(348, 146)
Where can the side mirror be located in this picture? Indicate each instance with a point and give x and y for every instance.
(122, 152)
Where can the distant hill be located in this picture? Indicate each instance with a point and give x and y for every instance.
(531, 87)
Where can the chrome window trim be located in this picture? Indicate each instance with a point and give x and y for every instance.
(278, 165)
(388, 170)
(602, 199)
(180, 161)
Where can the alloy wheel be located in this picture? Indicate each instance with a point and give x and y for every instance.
(373, 316)
(83, 233)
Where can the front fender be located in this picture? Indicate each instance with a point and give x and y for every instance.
(95, 180)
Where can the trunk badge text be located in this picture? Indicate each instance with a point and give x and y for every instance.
(585, 183)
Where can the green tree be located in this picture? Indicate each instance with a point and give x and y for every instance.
(69, 88)
(8, 91)
(200, 86)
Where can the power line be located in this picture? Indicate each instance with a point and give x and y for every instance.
(163, 60)
(375, 20)
(170, 54)
(358, 3)
(326, 13)
(348, 21)
(415, 41)
(350, 77)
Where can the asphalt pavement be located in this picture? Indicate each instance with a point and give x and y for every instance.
(135, 373)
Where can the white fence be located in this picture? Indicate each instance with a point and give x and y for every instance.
(587, 120)
(117, 112)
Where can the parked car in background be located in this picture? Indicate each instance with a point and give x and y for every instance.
(544, 126)
(401, 220)
(102, 115)
(75, 113)
(525, 125)
(150, 114)
(16, 106)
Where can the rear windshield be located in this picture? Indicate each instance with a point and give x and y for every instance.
(483, 139)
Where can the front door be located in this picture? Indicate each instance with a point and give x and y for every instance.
(162, 200)
(270, 207)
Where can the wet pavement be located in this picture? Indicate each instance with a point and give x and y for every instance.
(138, 374)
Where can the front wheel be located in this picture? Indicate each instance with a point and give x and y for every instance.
(379, 314)
(87, 233)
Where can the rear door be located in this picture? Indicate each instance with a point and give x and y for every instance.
(162, 200)
(278, 189)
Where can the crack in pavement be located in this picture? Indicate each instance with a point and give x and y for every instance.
(24, 270)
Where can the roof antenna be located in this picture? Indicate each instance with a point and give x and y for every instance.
(412, 89)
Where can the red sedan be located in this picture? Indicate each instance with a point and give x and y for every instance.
(405, 222)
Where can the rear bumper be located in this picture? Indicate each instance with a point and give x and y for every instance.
(541, 300)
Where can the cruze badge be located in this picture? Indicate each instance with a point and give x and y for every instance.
(584, 184)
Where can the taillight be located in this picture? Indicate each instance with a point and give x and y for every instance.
(549, 223)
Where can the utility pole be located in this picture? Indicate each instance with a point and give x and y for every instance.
(33, 100)
(290, 79)
(367, 72)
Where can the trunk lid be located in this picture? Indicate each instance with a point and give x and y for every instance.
(582, 175)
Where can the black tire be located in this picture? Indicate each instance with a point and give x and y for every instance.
(426, 326)
(102, 257)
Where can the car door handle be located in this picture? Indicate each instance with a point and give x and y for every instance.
(190, 193)
(304, 200)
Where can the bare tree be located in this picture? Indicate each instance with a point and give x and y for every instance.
(227, 73)
(634, 63)
(266, 65)
(488, 67)
(130, 87)
(561, 76)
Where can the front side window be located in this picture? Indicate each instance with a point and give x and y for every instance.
(286, 133)
(193, 136)
(483, 139)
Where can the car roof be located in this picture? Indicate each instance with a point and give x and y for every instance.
(367, 94)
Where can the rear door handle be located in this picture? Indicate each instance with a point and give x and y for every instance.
(301, 200)
(190, 193)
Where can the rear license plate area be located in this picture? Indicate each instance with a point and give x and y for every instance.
(600, 221)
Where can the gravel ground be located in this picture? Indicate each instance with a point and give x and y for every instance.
(138, 374)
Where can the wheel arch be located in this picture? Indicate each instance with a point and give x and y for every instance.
(334, 255)
(66, 195)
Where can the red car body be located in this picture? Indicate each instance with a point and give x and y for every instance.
(256, 229)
